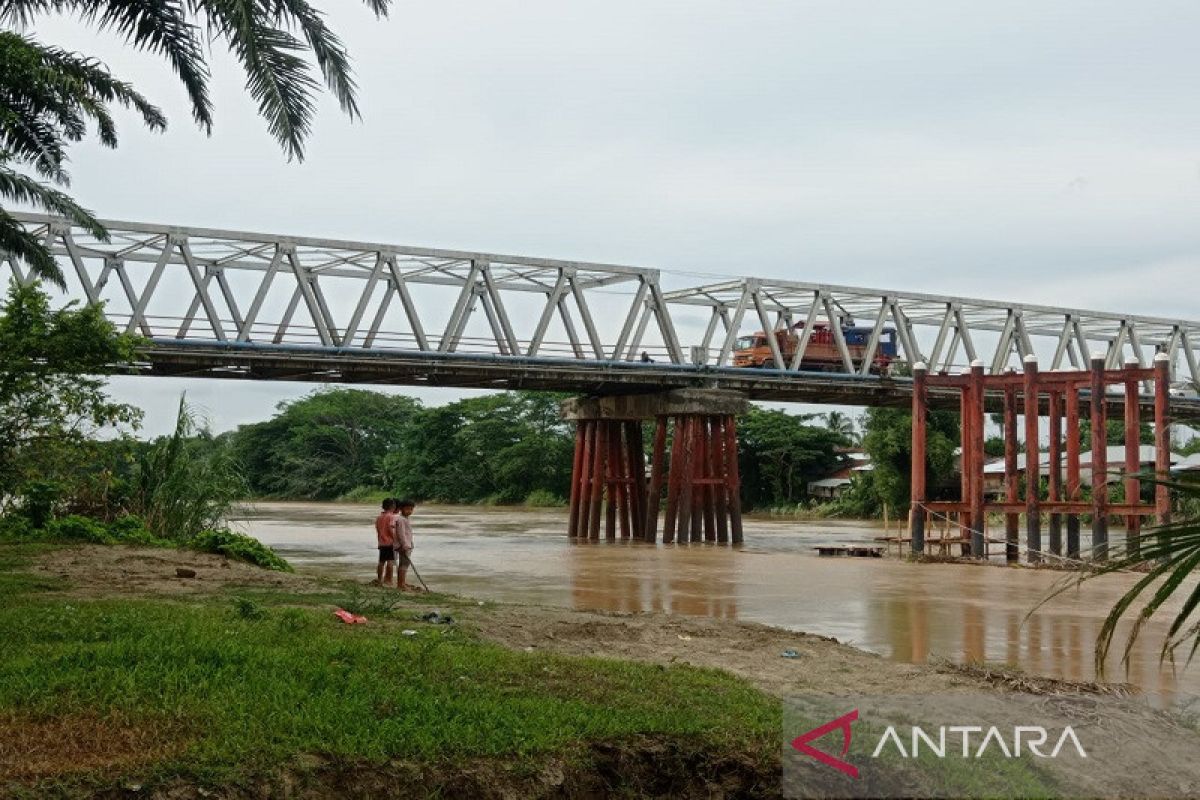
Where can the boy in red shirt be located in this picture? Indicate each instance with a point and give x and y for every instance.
(386, 542)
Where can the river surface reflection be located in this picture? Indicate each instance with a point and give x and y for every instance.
(904, 611)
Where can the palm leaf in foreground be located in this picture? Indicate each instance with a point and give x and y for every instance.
(1171, 553)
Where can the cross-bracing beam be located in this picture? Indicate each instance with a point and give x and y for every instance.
(176, 284)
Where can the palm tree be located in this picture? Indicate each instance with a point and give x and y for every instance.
(48, 96)
(842, 425)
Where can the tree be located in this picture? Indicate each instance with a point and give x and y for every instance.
(1114, 433)
(324, 445)
(779, 453)
(52, 398)
(887, 438)
(48, 96)
(498, 448)
(842, 425)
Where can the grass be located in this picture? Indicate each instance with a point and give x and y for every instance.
(244, 685)
(228, 689)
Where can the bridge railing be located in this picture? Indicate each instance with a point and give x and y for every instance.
(179, 283)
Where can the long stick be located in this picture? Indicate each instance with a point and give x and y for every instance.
(414, 569)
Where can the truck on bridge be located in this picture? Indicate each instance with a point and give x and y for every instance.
(821, 354)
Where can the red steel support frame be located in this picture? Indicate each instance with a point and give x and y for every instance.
(1061, 394)
(654, 493)
(978, 513)
(1033, 489)
(733, 480)
(1054, 489)
(1012, 489)
(1099, 461)
(576, 477)
(920, 403)
(1074, 491)
(1133, 447)
(1162, 438)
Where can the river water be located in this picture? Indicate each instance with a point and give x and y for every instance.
(908, 612)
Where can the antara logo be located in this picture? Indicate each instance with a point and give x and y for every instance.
(843, 722)
(1031, 738)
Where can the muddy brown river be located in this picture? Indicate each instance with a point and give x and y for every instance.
(908, 612)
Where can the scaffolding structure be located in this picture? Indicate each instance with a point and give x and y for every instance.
(1060, 397)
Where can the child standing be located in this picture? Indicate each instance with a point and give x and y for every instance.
(385, 539)
(402, 536)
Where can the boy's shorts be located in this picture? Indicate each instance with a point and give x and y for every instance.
(386, 553)
(402, 558)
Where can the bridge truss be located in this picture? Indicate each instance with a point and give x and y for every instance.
(236, 304)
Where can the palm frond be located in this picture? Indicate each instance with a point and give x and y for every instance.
(327, 48)
(379, 8)
(157, 26)
(16, 241)
(1171, 553)
(276, 74)
(46, 97)
(20, 244)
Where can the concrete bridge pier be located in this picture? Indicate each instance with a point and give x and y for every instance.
(610, 480)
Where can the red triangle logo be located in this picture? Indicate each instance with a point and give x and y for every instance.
(801, 743)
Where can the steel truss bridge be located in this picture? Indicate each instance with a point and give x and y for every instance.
(229, 304)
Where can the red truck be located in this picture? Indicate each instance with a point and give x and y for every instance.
(821, 354)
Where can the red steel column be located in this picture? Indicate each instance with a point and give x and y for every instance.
(696, 473)
(1073, 488)
(1133, 463)
(978, 518)
(964, 469)
(710, 473)
(1099, 462)
(721, 489)
(1033, 488)
(622, 486)
(654, 494)
(1162, 438)
(683, 472)
(674, 485)
(636, 459)
(1055, 470)
(612, 465)
(1012, 489)
(578, 476)
(735, 481)
(918, 494)
(597, 487)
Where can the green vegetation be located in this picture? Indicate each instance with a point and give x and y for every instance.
(52, 399)
(779, 453)
(231, 691)
(239, 546)
(64, 484)
(51, 96)
(324, 446)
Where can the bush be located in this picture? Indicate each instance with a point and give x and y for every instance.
(79, 529)
(542, 498)
(364, 494)
(124, 530)
(17, 528)
(223, 541)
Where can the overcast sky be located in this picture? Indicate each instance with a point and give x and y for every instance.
(1038, 151)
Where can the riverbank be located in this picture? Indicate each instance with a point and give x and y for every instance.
(122, 679)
